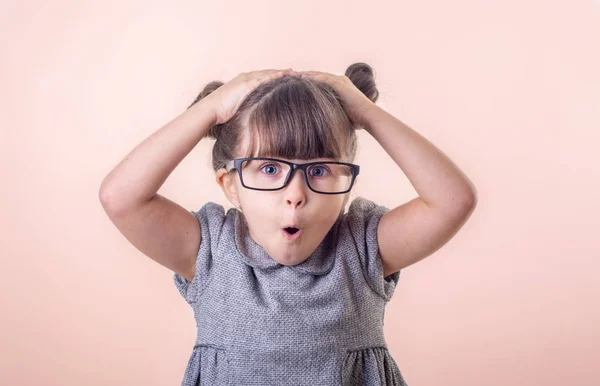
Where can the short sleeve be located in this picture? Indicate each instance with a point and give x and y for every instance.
(363, 218)
(211, 218)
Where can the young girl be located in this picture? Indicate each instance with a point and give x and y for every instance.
(286, 288)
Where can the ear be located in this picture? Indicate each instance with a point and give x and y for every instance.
(227, 183)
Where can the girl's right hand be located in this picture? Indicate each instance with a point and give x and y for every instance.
(227, 99)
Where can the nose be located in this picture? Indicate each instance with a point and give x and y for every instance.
(295, 191)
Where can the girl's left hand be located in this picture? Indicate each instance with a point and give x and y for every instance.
(355, 102)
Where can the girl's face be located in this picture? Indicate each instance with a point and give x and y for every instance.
(269, 212)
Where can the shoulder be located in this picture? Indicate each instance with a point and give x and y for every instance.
(213, 219)
(362, 209)
(360, 225)
(214, 213)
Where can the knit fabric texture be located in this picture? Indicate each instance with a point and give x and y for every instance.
(319, 322)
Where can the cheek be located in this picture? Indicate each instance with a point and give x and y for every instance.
(326, 216)
(333, 206)
(259, 212)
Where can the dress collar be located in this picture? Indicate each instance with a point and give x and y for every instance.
(320, 262)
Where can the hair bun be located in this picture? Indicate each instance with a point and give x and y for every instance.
(362, 76)
(209, 88)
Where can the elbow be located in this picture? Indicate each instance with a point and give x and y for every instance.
(470, 200)
(106, 197)
(463, 204)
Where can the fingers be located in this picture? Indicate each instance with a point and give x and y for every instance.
(310, 73)
(272, 72)
(270, 76)
(264, 75)
(261, 76)
(317, 76)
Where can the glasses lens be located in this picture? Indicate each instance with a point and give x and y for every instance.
(329, 177)
(264, 174)
(323, 177)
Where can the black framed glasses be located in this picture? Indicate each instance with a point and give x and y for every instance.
(324, 177)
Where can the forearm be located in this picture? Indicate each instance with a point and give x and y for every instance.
(437, 180)
(142, 172)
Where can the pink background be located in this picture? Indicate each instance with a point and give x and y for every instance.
(509, 90)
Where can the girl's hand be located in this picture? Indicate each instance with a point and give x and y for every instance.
(227, 99)
(355, 102)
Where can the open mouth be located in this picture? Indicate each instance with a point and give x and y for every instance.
(291, 233)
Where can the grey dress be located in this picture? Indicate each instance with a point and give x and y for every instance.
(316, 323)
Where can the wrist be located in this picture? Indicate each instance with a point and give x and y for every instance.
(368, 115)
(205, 109)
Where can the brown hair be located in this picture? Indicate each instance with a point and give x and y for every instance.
(291, 117)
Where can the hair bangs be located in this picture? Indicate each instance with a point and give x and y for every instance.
(298, 120)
